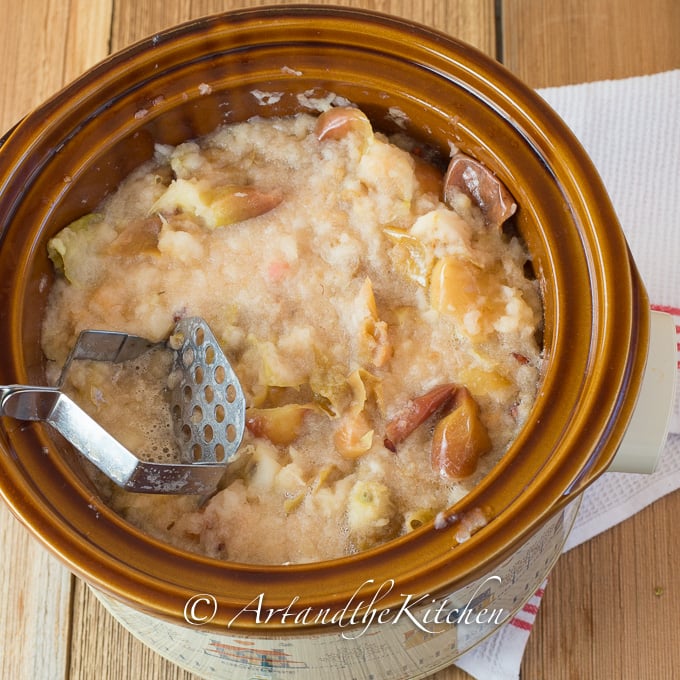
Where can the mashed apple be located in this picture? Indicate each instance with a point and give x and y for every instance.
(377, 314)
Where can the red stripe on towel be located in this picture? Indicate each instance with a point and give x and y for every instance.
(521, 623)
(675, 311)
(530, 608)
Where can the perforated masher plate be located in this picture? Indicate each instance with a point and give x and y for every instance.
(208, 405)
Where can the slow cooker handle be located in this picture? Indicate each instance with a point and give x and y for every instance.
(648, 429)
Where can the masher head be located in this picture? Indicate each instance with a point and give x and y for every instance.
(207, 402)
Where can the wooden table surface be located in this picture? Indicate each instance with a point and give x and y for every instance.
(611, 605)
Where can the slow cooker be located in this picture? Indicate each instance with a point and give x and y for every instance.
(412, 605)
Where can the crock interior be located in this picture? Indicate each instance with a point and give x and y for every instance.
(64, 158)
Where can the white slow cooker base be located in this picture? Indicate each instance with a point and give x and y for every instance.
(395, 650)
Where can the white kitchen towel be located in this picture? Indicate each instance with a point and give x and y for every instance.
(630, 130)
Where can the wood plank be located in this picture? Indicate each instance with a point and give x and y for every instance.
(87, 35)
(32, 56)
(469, 20)
(42, 45)
(573, 41)
(34, 608)
(102, 648)
(609, 603)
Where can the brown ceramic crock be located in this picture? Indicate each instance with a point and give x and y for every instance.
(63, 158)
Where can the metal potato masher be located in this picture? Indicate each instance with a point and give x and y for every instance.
(207, 403)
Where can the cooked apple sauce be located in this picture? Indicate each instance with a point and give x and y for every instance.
(376, 310)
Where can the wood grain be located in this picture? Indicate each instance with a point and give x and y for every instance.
(102, 648)
(470, 20)
(573, 41)
(43, 44)
(609, 603)
(34, 608)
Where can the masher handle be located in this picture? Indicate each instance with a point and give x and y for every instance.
(64, 415)
(52, 406)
